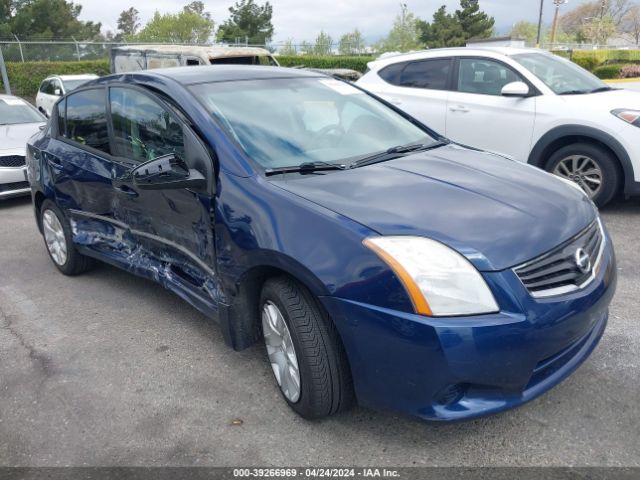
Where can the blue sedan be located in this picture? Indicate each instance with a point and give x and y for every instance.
(378, 262)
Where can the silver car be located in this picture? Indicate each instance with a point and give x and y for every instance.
(18, 122)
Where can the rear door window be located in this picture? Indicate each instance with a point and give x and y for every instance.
(86, 119)
(430, 74)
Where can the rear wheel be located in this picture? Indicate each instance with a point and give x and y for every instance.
(304, 349)
(57, 238)
(593, 168)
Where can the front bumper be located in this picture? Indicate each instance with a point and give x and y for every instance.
(459, 368)
(13, 182)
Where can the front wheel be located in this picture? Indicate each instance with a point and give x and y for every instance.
(593, 168)
(57, 238)
(304, 349)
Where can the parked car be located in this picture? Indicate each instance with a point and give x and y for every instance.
(134, 58)
(529, 104)
(377, 260)
(53, 87)
(18, 121)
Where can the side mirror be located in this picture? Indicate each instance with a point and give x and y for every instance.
(57, 92)
(167, 172)
(515, 89)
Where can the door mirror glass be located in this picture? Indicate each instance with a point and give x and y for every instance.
(166, 172)
(515, 89)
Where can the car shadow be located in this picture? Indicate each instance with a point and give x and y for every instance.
(15, 202)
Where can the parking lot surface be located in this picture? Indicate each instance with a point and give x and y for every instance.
(108, 369)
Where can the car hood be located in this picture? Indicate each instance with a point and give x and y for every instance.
(14, 137)
(496, 212)
(605, 101)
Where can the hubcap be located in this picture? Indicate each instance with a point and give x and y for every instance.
(54, 237)
(282, 354)
(582, 170)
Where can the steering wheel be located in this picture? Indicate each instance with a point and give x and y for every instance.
(326, 132)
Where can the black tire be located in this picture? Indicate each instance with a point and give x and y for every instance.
(604, 159)
(76, 263)
(325, 377)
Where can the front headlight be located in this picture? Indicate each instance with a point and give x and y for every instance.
(629, 116)
(439, 281)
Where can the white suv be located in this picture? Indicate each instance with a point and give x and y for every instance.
(53, 87)
(528, 104)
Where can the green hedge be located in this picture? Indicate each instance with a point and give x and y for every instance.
(25, 78)
(608, 72)
(311, 61)
(592, 59)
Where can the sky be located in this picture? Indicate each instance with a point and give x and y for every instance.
(303, 19)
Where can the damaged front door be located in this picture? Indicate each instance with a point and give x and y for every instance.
(166, 199)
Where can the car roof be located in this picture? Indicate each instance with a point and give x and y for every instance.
(456, 51)
(5, 96)
(84, 76)
(219, 73)
(215, 51)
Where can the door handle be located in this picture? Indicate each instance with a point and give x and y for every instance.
(459, 108)
(395, 101)
(126, 190)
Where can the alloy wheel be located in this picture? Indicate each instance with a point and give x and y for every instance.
(281, 351)
(582, 170)
(54, 237)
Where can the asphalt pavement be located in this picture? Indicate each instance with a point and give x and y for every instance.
(108, 369)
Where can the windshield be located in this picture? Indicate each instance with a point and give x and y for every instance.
(290, 121)
(560, 75)
(16, 110)
(73, 84)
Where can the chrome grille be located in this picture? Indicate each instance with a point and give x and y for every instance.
(558, 272)
(12, 161)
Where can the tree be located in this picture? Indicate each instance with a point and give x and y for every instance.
(188, 26)
(288, 49)
(249, 21)
(323, 44)
(599, 30)
(525, 30)
(128, 22)
(631, 24)
(351, 43)
(474, 22)
(579, 22)
(403, 35)
(443, 31)
(45, 19)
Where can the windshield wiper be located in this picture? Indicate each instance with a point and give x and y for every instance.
(601, 89)
(575, 92)
(307, 167)
(584, 92)
(395, 152)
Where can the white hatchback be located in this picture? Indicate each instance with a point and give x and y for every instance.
(53, 87)
(528, 104)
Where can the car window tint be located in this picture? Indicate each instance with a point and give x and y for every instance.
(87, 119)
(43, 86)
(62, 112)
(392, 73)
(48, 87)
(142, 128)
(431, 74)
(484, 77)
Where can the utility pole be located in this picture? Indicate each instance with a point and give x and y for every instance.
(555, 19)
(540, 23)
